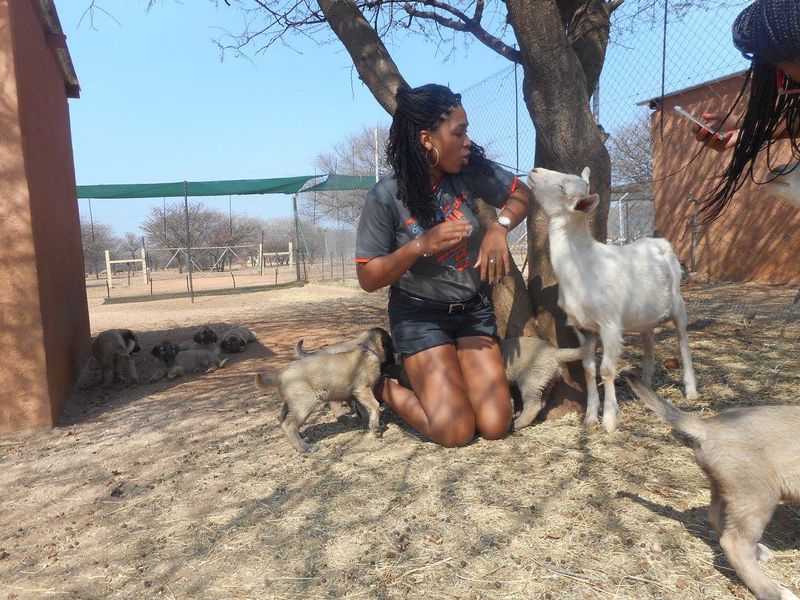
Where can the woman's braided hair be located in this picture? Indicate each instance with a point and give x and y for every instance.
(421, 108)
(767, 32)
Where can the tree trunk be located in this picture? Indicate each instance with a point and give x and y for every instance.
(558, 78)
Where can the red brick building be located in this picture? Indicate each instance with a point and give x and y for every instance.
(758, 237)
(45, 319)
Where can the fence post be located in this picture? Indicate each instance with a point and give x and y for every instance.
(261, 255)
(108, 272)
(144, 264)
(331, 266)
(234, 280)
(342, 267)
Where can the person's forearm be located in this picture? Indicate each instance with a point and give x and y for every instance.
(517, 205)
(385, 270)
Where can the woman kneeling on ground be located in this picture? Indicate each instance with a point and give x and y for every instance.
(419, 234)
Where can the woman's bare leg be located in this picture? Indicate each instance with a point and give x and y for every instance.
(485, 378)
(439, 407)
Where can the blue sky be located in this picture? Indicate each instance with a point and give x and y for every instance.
(158, 104)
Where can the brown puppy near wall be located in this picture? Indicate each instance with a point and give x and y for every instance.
(750, 456)
(204, 338)
(176, 362)
(317, 379)
(236, 339)
(532, 365)
(111, 355)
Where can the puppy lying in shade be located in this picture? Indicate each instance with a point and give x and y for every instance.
(325, 377)
(750, 456)
(204, 338)
(111, 355)
(236, 339)
(176, 362)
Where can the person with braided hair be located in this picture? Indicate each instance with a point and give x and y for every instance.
(767, 32)
(419, 234)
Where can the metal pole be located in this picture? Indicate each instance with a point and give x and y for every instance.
(188, 238)
(516, 113)
(296, 235)
(91, 219)
(596, 102)
(261, 255)
(693, 247)
(376, 154)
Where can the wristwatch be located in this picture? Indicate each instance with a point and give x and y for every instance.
(503, 221)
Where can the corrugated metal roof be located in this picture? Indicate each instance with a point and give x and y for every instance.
(649, 101)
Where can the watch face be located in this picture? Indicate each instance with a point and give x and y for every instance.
(504, 221)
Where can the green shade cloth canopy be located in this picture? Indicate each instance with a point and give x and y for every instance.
(277, 185)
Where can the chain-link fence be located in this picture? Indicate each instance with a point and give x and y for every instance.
(658, 174)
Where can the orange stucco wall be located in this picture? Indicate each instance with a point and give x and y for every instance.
(45, 322)
(758, 237)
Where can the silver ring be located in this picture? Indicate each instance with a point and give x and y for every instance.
(492, 260)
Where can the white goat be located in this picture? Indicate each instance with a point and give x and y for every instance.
(609, 289)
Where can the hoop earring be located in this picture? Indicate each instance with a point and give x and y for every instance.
(428, 159)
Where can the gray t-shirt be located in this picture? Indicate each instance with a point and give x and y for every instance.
(386, 224)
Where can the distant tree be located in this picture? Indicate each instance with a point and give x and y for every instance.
(355, 155)
(130, 244)
(96, 239)
(631, 151)
(209, 232)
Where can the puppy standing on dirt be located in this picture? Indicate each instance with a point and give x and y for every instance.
(204, 338)
(111, 353)
(175, 362)
(323, 377)
(236, 339)
(750, 456)
(532, 365)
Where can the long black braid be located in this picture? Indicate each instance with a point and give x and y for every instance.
(421, 108)
(766, 32)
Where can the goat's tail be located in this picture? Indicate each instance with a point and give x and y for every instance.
(682, 422)
(565, 355)
(299, 352)
(264, 382)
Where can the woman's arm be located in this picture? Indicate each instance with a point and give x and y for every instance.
(495, 242)
(385, 270)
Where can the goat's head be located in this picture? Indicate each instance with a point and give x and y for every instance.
(786, 183)
(560, 194)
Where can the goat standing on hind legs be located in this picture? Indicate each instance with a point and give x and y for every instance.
(609, 290)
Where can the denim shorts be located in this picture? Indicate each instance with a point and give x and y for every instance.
(415, 328)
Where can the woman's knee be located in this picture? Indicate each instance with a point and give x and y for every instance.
(494, 422)
(453, 432)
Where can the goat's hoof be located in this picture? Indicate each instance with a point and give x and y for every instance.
(610, 424)
(590, 422)
(763, 554)
(691, 394)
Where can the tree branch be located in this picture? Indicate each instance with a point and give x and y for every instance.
(465, 24)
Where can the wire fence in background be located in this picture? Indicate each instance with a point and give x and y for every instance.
(656, 180)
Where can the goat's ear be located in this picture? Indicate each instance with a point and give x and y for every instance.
(587, 204)
(585, 174)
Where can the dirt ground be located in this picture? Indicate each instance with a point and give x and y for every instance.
(188, 488)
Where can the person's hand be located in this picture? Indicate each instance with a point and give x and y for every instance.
(715, 121)
(443, 236)
(494, 259)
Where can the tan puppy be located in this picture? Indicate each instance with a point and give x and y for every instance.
(111, 355)
(236, 339)
(532, 365)
(204, 338)
(750, 456)
(176, 362)
(318, 379)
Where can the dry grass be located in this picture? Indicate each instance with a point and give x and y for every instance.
(189, 489)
